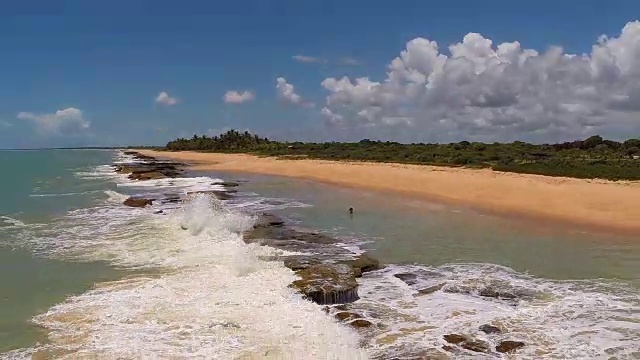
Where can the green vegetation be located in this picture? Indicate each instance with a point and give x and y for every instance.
(590, 158)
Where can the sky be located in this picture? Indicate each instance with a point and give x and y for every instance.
(85, 73)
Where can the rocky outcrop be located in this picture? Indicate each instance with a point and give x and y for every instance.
(138, 202)
(360, 323)
(148, 175)
(509, 346)
(327, 273)
(490, 329)
(363, 263)
(328, 283)
(467, 343)
(268, 220)
(149, 168)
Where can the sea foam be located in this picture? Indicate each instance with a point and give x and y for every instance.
(198, 290)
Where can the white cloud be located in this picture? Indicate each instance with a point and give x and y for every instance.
(5, 124)
(235, 97)
(164, 99)
(60, 122)
(286, 91)
(485, 92)
(350, 61)
(307, 59)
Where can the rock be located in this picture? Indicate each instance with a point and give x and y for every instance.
(150, 175)
(345, 315)
(227, 184)
(455, 338)
(360, 323)
(327, 284)
(509, 346)
(429, 290)
(363, 263)
(130, 152)
(467, 343)
(268, 220)
(490, 329)
(159, 212)
(263, 230)
(137, 202)
(476, 345)
(296, 263)
(492, 293)
(408, 278)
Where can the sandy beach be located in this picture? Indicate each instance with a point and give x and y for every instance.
(613, 206)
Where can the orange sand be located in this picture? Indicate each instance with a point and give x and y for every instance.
(605, 204)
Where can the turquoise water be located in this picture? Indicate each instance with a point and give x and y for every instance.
(405, 230)
(40, 187)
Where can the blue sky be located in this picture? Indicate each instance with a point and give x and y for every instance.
(112, 61)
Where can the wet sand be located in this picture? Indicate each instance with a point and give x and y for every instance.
(606, 205)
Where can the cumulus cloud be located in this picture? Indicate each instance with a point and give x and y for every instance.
(307, 59)
(60, 122)
(164, 99)
(286, 93)
(480, 91)
(235, 97)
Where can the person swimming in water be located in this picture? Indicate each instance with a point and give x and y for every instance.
(351, 210)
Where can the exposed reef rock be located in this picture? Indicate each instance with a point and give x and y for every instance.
(138, 202)
(328, 283)
(327, 272)
(509, 346)
(490, 329)
(149, 168)
(467, 343)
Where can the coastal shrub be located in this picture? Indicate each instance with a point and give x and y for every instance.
(593, 157)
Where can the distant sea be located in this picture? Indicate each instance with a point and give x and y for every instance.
(82, 275)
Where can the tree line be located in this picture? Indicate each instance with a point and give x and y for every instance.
(593, 157)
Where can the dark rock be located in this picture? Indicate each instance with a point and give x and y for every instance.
(278, 232)
(327, 284)
(342, 307)
(509, 346)
(296, 263)
(227, 184)
(467, 343)
(268, 220)
(490, 329)
(137, 202)
(408, 278)
(492, 293)
(159, 212)
(150, 175)
(345, 315)
(360, 323)
(476, 345)
(130, 152)
(363, 263)
(455, 338)
(172, 199)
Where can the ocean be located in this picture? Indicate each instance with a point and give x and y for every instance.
(83, 276)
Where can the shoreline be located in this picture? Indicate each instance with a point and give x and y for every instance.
(589, 203)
